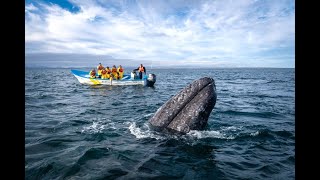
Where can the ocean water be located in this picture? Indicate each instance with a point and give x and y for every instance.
(75, 131)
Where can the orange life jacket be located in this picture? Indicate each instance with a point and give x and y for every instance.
(100, 67)
(141, 69)
(103, 71)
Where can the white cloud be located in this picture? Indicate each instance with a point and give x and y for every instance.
(189, 32)
(30, 7)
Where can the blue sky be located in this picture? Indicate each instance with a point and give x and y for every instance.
(211, 33)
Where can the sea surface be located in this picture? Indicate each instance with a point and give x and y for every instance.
(75, 131)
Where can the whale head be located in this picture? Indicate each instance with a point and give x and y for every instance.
(189, 109)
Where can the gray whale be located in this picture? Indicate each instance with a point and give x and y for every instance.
(187, 110)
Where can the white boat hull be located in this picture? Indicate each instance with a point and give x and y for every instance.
(84, 78)
(90, 81)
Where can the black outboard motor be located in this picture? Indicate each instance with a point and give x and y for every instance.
(150, 80)
(134, 75)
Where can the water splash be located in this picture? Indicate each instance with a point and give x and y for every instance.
(95, 127)
(148, 115)
(146, 132)
(209, 134)
(255, 133)
(143, 132)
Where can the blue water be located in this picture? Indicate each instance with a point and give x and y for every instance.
(75, 131)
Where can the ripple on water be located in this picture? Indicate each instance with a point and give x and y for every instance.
(74, 131)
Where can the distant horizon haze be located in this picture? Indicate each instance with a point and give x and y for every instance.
(64, 60)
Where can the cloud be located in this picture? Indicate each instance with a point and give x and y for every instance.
(171, 32)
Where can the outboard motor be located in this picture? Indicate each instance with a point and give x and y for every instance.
(134, 75)
(150, 80)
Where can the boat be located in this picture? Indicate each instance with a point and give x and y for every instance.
(84, 78)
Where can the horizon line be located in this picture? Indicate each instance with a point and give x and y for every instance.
(163, 67)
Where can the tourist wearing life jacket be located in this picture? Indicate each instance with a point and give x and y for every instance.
(104, 74)
(92, 73)
(116, 76)
(114, 70)
(108, 72)
(120, 71)
(99, 68)
(142, 70)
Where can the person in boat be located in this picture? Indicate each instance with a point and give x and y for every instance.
(108, 72)
(114, 70)
(104, 74)
(99, 68)
(92, 73)
(142, 70)
(120, 71)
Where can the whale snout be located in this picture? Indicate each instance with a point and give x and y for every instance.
(189, 109)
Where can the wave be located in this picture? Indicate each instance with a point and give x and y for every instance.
(148, 115)
(96, 127)
(224, 133)
(251, 114)
(266, 134)
(209, 134)
(146, 132)
(99, 126)
(90, 111)
(277, 81)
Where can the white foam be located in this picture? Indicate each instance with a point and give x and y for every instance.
(99, 125)
(148, 115)
(209, 134)
(231, 128)
(254, 133)
(144, 132)
(96, 127)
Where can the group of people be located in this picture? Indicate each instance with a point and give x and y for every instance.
(107, 73)
(114, 72)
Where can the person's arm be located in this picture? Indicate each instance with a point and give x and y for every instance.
(136, 69)
(145, 71)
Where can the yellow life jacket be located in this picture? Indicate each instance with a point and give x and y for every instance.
(116, 76)
(108, 76)
(114, 71)
(120, 71)
(100, 67)
(105, 76)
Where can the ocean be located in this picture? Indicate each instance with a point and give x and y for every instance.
(75, 131)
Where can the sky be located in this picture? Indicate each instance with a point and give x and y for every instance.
(169, 33)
